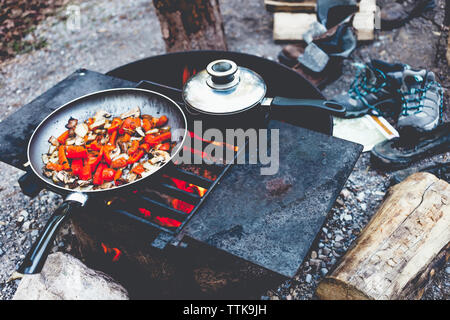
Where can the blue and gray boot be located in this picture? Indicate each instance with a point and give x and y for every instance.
(422, 101)
(374, 90)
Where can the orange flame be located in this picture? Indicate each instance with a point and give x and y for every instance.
(116, 252)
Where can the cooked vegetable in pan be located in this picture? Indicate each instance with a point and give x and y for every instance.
(106, 151)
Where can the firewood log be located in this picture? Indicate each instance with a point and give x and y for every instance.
(400, 249)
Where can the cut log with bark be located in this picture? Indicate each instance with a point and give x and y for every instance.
(191, 24)
(400, 249)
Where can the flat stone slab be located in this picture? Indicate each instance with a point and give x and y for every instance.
(64, 277)
(272, 220)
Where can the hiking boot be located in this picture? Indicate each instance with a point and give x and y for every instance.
(422, 102)
(401, 152)
(394, 14)
(374, 90)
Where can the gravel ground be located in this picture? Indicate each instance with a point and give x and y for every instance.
(130, 30)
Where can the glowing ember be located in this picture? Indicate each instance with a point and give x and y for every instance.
(112, 251)
(145, 212)
(167, 222)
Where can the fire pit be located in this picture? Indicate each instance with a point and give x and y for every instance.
(203, 230)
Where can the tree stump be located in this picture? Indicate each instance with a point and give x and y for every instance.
(191, 24)
(399, 250)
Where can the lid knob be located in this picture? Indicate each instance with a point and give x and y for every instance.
(223, 74)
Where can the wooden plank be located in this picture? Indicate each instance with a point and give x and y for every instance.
(291, 26)
(283, 6)
(367, 6)
(364, 24)
(400, 249)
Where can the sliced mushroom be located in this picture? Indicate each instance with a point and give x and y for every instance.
(123, 146)
(140, 131)
(72, 123)
(70, 141)
(91, 137)
(81, 130)
(164, 129)
(114, 153)
(152, 131)
(55, 177)
(101, 114)
(48, 174)
(97, 124)
(106, 185)
(45, 158)
(51, 149)
(65, 177)
(84, 183)
(159, 156)
(131, 177)
(135, 112)
(122, 155)
(54, 158)
(105, 139)
(53, 141)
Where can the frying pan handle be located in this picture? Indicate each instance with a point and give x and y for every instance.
(290, 104)
(35, 259)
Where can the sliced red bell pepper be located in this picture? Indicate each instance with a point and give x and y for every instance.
(136, 157)
(115, 124)
(126, 137)
(112, 138)
(98, 175)
(77, 166)
(108, 174)
(161, 121)
(86, 172)
(129, 125)
(146, 124)
(119, 163)
(134, 147)
(95, 160)
(145, 146)
(164, 147)
(63, 159)
(54, 166)
(94, 145)
(74, 152)
(138, 169)
(62, 138)
(106, 153)
(155, 140)
(117, 175)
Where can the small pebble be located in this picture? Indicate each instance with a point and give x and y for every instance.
(24, 213)
(308, 278)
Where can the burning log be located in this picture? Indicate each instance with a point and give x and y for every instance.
(191, 25)
(398, 252)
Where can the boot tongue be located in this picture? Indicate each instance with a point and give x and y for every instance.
(412, 79)
(374, 76)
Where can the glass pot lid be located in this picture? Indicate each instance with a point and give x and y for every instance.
(224, 88)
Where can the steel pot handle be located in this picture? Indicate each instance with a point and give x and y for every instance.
(292, 104)
(35, 259)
